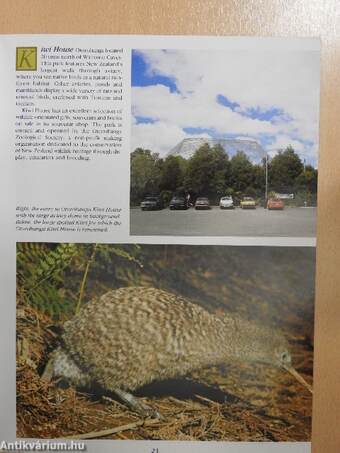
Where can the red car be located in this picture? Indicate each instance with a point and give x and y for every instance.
(275, 203)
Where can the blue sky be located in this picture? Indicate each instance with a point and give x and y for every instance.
(140, 78)
(183, 94)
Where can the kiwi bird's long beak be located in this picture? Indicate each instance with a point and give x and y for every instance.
(298, 377)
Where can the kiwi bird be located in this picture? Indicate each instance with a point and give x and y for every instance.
(133, 336)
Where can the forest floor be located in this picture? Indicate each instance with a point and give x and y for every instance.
(236, 402)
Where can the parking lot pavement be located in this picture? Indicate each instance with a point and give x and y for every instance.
(291, 222)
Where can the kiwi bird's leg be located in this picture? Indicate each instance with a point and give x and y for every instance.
(48, 371)
(136, 404)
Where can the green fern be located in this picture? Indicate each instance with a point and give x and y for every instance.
(57, 278)
(40, 273)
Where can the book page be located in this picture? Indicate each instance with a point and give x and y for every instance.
(161, 229)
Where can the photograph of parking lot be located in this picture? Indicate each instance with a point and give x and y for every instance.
(224, 143)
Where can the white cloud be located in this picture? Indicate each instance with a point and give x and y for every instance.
(195, 110)
(157, 136)
(308, 152)
(282, 141)
(282, 80)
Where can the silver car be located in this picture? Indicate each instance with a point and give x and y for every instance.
(202, 203)
(227, 202)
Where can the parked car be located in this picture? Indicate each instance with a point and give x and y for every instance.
(202, 203)
(178, 203)
(227, 202)
(275, 203)
(248, 203)
(151, 204)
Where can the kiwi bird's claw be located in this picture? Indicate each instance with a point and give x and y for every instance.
(147, 411)
(160, 416)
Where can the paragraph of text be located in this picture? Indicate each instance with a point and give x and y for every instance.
(67, 219)
(89, 124)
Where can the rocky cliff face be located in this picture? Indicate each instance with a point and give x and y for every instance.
(187, 147)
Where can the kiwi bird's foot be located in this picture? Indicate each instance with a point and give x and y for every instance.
(146, 411)
(137, 405)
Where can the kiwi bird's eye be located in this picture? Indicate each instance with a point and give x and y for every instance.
(285, 357)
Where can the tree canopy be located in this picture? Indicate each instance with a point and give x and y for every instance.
(284, 169)
(210, 172)
(145, 173)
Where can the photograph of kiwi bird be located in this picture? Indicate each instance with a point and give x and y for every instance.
(134, 336)
(164, 342)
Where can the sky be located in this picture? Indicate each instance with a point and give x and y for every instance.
(270, 97)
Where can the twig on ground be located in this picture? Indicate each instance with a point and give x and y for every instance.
(118, 429)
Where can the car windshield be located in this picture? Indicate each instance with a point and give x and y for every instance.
(226, 198)
(202, 199)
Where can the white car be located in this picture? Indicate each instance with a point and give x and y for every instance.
(227, 202)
